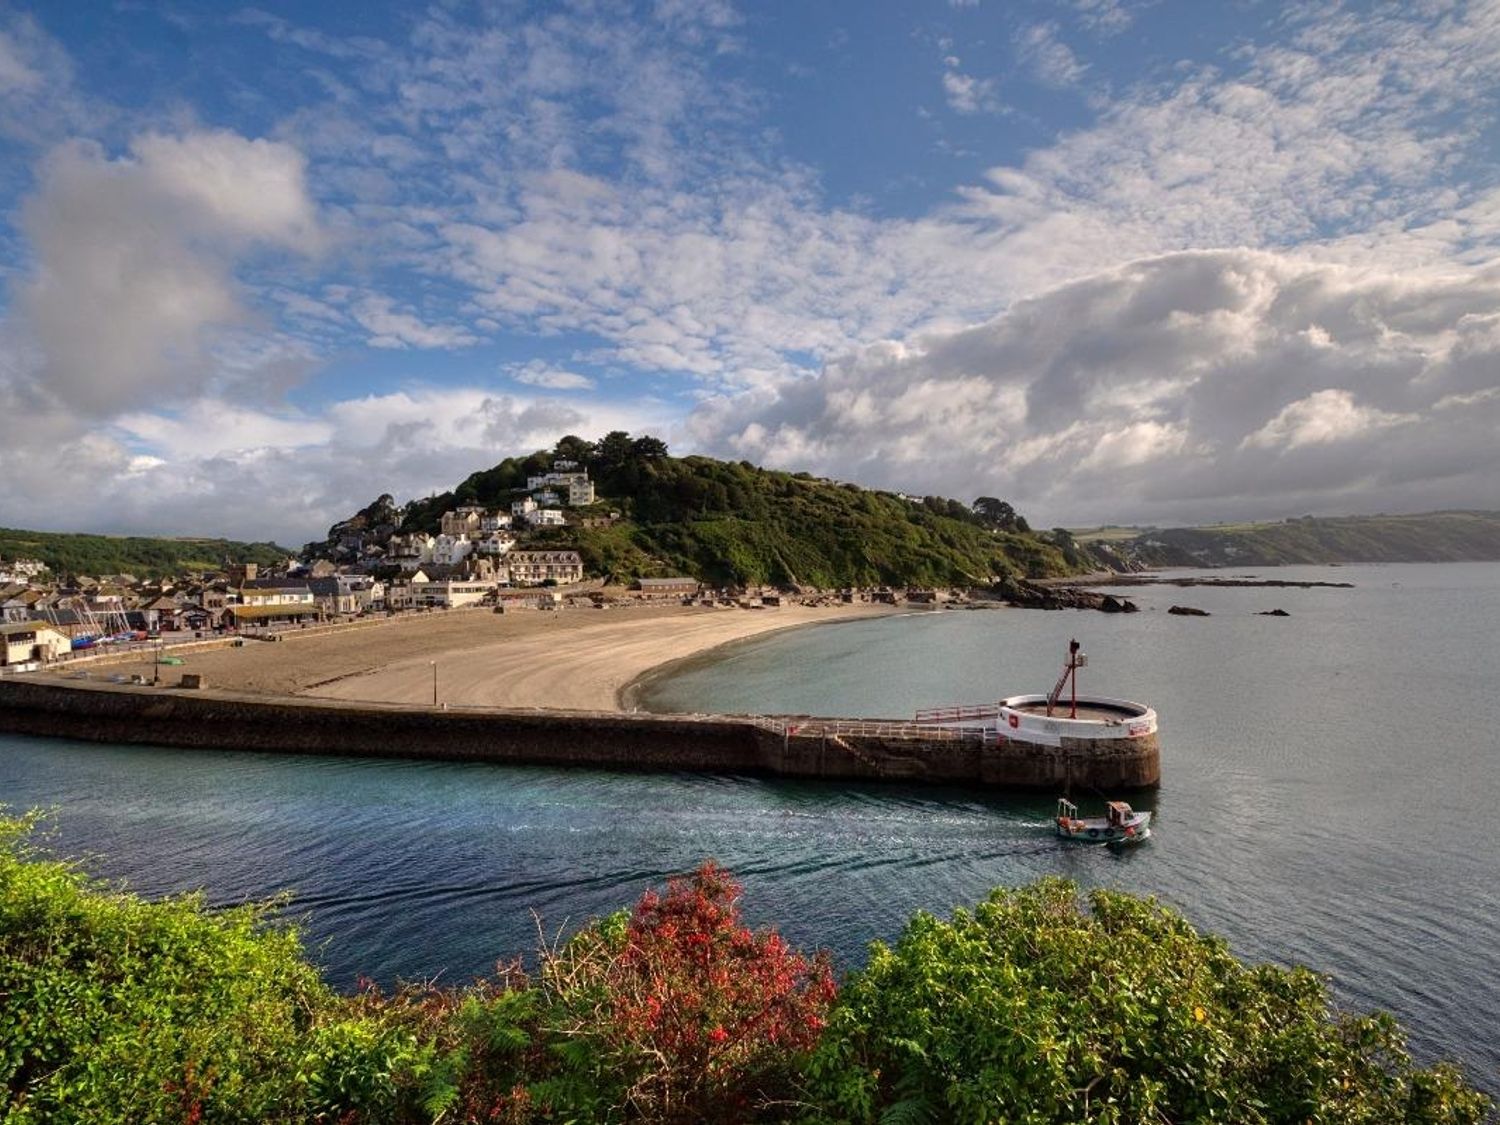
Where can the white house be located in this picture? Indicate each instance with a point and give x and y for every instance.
(493, 521)
(546, 517)
(450, 593)
(21, 570)
(580, 492)
(523, 507)
(495, 544)
(410, 552)
(450, 550)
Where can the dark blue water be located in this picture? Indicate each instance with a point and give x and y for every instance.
(1329, 787)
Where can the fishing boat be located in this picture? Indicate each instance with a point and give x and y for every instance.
(1120, 824)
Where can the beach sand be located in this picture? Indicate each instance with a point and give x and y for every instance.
(573, 659)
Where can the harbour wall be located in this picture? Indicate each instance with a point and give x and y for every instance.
(835, 750)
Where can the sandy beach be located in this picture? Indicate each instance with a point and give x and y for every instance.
(575, 659)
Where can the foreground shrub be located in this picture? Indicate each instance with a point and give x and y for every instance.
(683, 1012)
(1032, 1009)
(113, 1009)
(1036, 1009)
(674, 1012)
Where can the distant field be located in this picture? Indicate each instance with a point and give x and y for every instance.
(1107, 534)
(1421, 537)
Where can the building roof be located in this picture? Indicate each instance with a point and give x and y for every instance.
(301, 610)
(13, 627)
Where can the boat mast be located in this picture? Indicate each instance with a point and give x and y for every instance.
(1076, 660)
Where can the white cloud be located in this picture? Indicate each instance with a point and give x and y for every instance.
(1324, 416)
(536, 373)
(132, 278)
(1191, 386)
(16, 76)
(392, 328)
(1052, 60)
(604, 182)
(225, 468)
(965, 93)
(1105, 16)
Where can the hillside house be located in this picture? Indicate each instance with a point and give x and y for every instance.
(493, 521)
(464, 521)
(21, 571)
(523, 507)
(450, 550)
(546, 517)
(411, 551)
(532, 568)
(496, 544)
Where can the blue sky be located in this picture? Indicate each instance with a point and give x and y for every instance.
(1111, 259)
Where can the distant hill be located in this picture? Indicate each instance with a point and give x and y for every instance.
(735, 524)
(142, 556)
(1428, 537)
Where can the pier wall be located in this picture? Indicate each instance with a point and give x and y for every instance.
(609, 740)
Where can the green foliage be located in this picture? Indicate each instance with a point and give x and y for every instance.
(1429, 537)
(1031, 1009)
(730, 523)
(113, 1009)
(141, 556)
(1036, 1009)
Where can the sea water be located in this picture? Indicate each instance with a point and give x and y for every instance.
(1329, 788)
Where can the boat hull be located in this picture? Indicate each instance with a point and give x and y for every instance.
(1097, 830)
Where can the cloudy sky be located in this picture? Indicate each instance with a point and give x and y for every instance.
(1113, 260)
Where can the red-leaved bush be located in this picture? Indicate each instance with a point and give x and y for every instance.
(699, 1017)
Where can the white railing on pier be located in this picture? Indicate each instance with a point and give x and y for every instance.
(958, 714)
(871, 728)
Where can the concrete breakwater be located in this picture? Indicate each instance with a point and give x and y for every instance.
(801, 747)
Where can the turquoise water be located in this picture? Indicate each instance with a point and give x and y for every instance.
(1329, 781)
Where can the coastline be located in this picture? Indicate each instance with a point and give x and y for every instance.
(569, 660)
(628, 697)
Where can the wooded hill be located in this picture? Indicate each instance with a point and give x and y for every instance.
(142, 556)
(1428, 537)
(734, 523)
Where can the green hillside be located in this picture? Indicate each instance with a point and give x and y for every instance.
(142, 556)
(1427, 537)
(733, 523)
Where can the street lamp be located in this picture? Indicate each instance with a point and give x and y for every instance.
(434, 681)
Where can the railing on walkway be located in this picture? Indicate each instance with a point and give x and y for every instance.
(958, 714)
(871, 728)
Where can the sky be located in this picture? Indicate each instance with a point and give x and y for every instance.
(1124, 261)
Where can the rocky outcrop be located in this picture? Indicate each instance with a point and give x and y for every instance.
(1188, 611)
(1273, 613)
(1032, 595)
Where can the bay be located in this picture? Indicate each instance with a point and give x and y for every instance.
(1328, 782)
